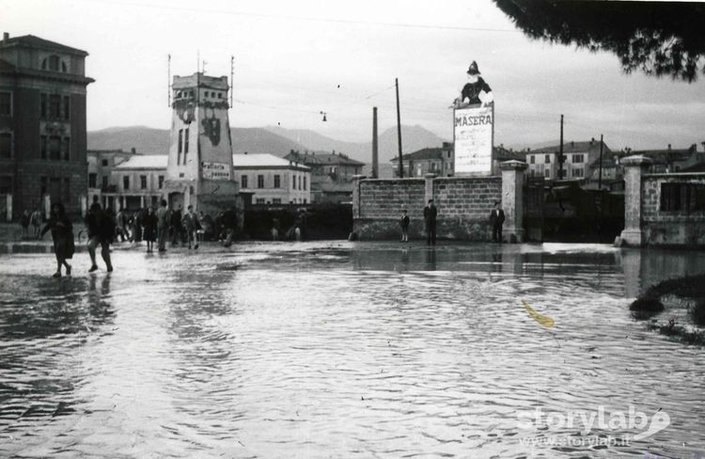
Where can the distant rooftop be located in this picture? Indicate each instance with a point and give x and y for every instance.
(316, 158)
(31, 41)
(145, 162)
(263, 160)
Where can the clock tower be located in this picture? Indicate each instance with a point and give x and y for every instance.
(200, 166)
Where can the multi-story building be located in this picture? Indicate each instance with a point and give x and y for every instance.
(331, 174)
(437, 161)
(42, 123)
(138, 182)
(100, 166)
(579, 156)
(272, 180)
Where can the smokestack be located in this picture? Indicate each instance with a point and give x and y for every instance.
(5, 36)
(375, 157)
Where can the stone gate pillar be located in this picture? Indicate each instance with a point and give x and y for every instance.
(634, 168)
(513, 200)
(356, 195)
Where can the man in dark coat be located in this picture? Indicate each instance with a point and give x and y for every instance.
(101, 231)
(496, 221)
(430, 213)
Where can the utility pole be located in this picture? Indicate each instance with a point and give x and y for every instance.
(375, 151)
(401, 161)
(599, 177)
(561, 160)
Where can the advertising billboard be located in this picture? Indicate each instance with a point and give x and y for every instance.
(473, 131)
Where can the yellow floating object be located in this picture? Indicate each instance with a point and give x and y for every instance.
(546, 321)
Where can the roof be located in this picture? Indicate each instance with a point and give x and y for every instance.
(145, 162)
(31, 41)
(668, 153)
(572, 147)
(263, 160)
(319, 158)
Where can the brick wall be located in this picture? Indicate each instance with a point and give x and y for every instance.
(464, 205)
(670, 227)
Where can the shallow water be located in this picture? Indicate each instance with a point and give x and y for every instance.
(341, 350)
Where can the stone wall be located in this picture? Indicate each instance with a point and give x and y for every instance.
(464, 205)
(672, 228)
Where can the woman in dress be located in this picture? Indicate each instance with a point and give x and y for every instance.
(62, 234)
(149, 222)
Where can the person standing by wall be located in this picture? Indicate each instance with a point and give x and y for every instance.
(430, 214)
(62, 234)
(24, 222)
(162, 225)
(189, 222)
(36, 221)
(404, 222)
(496, 221)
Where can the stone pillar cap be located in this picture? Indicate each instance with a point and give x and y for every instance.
(429, 175)
(513, 165)
(358, 177)
(636, 160)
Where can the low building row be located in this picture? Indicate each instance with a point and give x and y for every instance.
(127, 180)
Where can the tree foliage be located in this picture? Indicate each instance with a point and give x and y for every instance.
(658, 38)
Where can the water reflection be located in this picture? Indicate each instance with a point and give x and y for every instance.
(342, 349)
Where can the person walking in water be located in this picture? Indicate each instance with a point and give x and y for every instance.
(101, 230)
(150, 223)
(404, 222)
(430, 213)
(190, 224)
(162, 225)
(62, 234)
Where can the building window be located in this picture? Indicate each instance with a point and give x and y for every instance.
(43, 146)
(6, 184)
(43, 106)
(67, 108)
(259, 201)
(125, 182)
(92, 180)
(181, 146)
(299, 182)
(66, 190)
(55, 148)
(293, 182)
(143, 182)
(104, 163)
(161, 182)
(5, 145)
(532, 159)
(577, 172)
(276, 200)
(104, 182)
(185, 143)
(547, 159)
(243, 181)
(304, 183)
(578, 159)
(682, 197)
(277, 181)
(66, 148)
(5, 103)
(260, 181)
(547, 173)
(54, 106)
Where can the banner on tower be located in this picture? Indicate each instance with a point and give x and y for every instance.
(473, 131)
(215, 171)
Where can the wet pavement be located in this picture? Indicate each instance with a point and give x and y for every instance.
(337, 349)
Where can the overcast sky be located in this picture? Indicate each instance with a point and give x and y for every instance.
(294, 59)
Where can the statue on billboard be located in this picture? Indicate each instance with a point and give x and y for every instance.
(476, 91)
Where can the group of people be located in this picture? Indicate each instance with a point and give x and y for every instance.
(430, 216)
(100, 226)
(33, 219)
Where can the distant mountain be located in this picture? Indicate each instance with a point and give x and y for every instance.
(413, 138)
(273, 140)
(156, 141)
